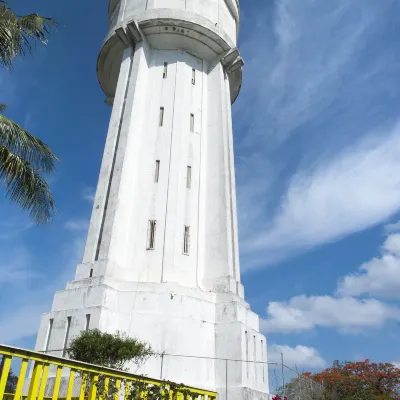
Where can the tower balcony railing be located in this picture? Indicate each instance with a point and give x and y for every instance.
(82, 381)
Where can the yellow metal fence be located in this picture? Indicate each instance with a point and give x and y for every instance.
(89, 376)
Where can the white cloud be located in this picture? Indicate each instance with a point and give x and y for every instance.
(300, 356)
(88, 193)
(15, 268)
(308, 49)
(77, 225)
(311, 97)
(302, 313)
(391, 228)
(356, 189)
(379, 276)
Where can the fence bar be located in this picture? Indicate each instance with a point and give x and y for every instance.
(43, 382)
(93, 387)
(34, 385)
(127, 389)
(57, 383)
(117, 388)
(106, 387)
(6, 361)
(70, 384)
(21, 379)
(83, 387)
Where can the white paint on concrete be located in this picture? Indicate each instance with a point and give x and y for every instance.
(183, 304)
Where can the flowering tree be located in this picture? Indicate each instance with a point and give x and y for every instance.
(359, 381)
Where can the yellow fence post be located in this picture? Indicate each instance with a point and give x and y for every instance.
(4, 374)
(83, 387)
(93, 387)
(117, 387)
(57, 382)
(35, 380)
(70, 384)
(106, 387)
(43, 382)
(127, 389)
(21, 379)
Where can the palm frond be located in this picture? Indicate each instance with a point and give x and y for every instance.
(25, 186)
(2, 106)
(18, 33)
(27, 146)
(36, 27)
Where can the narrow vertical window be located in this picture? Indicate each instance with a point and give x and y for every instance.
(46, 347)
(189, 177)
(157, 171)
(87, 322)
(66, 336)
(193, 76)
(262, 359)
(165, 73)
(161, 122)
(91, 273)
(151, 235)
(186, 240)
(255, 357)
(247, 354)
(191, 122)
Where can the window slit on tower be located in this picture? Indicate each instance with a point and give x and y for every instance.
(191, 122)
(189, 177)
(157, 171)
(87, 322)
(186, 240)
(247, 354)
(161, 121)
(46, 348)
(151, 235)
(66, 336)
(262, 359)
(165, 73)
(193, 76)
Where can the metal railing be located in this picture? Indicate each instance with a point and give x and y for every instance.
(88, 378)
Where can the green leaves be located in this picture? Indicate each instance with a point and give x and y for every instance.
(27, 146)
(18, 34)
(24, 158)
(25, 186)
(108, 350)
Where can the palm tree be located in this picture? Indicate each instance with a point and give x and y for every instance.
(24, 159)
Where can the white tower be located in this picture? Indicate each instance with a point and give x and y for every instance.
(161, 261)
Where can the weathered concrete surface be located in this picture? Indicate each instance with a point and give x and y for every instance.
(182, 59)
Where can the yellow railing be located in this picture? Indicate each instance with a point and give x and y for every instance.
(36, 383)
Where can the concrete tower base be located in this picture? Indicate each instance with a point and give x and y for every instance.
(209, 340)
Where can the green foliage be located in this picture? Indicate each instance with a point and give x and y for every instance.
(18, 34)
(115, 351)
(108, 350)
(348, 380)
(141, 389)
(24, 159)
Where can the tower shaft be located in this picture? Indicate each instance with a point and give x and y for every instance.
(161, 261)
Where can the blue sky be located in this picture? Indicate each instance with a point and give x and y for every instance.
(317, 141)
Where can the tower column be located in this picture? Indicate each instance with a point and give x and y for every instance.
(161, 261)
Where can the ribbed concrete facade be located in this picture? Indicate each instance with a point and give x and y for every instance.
(161, 261)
